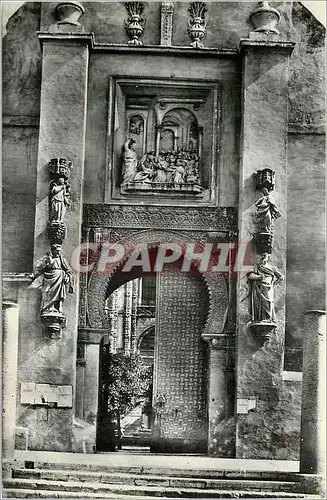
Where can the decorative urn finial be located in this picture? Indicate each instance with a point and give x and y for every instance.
(265, 18)
(69, 13)
(135, 24)
(197, 25)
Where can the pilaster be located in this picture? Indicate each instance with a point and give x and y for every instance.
(260, 334)
(62, 140)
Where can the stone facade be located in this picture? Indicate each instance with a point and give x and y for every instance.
(246, 101)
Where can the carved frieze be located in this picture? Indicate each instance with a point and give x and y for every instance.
(167, 12)
(164, 217)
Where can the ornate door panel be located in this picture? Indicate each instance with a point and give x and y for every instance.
(180, 399)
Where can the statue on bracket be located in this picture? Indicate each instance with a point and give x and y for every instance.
(59, 198)
(53, 276)
(266, 211)
(262, 282)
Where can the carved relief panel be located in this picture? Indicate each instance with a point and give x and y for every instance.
(163, 140)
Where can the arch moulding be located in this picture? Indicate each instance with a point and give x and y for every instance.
(100, 284)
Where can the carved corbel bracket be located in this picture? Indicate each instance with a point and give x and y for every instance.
(135, 24)
(197, 25)
(53, 324)
(262, 330)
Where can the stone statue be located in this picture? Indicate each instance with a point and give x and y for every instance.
(262, 281)
(59, 199)
(267, 211)
(53, 275)
(129, 161)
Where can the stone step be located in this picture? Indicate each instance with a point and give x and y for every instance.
(167, 471)
(42, 489)
(155, 480)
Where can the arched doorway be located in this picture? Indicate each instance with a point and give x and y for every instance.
(190, 308)
(170, 412)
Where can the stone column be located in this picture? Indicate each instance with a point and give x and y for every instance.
(10, 326)
(65, 56)
(264, 134)
(221, 436)
(217, 389)
(313, 417)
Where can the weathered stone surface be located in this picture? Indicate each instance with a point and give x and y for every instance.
(307, 73)
(21, 84)
(305, 236)
(259, 366)
(222, 437)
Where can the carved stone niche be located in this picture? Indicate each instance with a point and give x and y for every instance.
(164, 140)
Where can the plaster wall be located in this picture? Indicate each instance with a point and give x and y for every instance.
(306, 234)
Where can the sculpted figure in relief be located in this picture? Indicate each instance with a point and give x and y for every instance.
(262, 281)
(129, 161)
